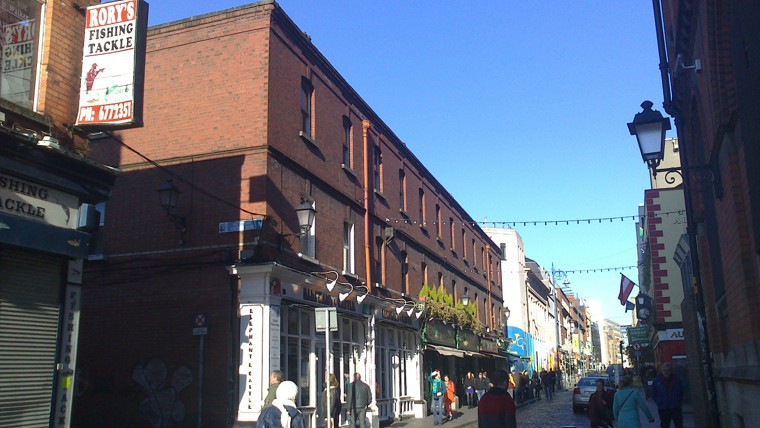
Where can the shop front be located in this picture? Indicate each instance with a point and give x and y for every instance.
(278, 332)
(47, 209)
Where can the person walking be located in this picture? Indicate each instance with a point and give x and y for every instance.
(626, 405)
(668, 392)
(511, 386)
(275, 378)
(546, 381)
(600, 406)
(331, 410)
(469, 388)
(359, 398)
(450, 396)
(282, 413)
(536, 380)
(481, 385)
(497, 408)
(437, 391)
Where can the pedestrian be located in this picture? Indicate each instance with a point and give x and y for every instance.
(553, 380)
(536, 385)
(450, 396)
(481, 385)
(437, 391)
(600, 406)
(512, 385)
(282, 413)
(626, 405)
(359, 398)
(667, 392)
(518, 379)
(275, 378)
(469, 387)
(558, 379)
(497, 408)
(331, 410)
(546, 380)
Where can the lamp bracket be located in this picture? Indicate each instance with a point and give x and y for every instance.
(703, 174)
(179, 222)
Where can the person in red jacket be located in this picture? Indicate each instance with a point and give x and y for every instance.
(450, 396)
(497, 408)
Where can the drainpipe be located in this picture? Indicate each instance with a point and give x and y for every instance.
(696, 278)
(488, 282)
(367, 243)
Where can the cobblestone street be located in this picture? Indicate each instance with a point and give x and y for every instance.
(556, 413)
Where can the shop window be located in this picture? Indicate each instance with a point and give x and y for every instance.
(21, 26)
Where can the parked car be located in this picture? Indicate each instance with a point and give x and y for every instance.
(583, 390)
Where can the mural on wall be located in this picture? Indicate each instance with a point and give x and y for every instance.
(161, 405)
(521, 343)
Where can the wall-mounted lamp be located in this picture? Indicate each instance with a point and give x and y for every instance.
(465, 300)
(305, 213)
(507, 313)
(168, 195)
(649, 127)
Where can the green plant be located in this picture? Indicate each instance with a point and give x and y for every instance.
(440, 305)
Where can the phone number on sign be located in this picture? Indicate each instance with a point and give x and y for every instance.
(117, 112)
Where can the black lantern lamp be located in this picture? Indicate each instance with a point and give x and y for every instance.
(168, 195)
(507, 313)
(305, 213)
(649, 127)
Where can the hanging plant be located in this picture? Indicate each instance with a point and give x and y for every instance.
(440, 306)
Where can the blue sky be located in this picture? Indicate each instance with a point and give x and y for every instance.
(518, 108)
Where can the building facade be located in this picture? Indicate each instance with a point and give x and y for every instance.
(49, 191)
(710, 88)
(195, 302)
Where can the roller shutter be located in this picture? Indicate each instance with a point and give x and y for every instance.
(30, 290)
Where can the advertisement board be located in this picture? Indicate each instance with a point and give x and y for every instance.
(113, 65)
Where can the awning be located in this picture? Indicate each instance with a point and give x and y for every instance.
(474, 354)
(496, 356)
(446, 351)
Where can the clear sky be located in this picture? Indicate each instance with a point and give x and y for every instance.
(519, 108)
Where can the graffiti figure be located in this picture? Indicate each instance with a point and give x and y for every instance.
(91, 75)
(161, 405)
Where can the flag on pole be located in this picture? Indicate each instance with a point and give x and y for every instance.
(626, 286)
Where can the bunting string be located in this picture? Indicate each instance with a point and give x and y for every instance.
(513, 224)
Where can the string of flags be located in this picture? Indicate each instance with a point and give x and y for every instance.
(513, 224)
(606, 269)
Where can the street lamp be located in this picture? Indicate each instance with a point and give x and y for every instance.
(305, 213)
(649, 127)
(465, 300)
(168, 195)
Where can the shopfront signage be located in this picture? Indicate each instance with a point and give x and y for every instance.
(670, 334)
(328, 299)
(489, 346)
(36, 202)
(113, 65)
(439, 333)
(468, 340)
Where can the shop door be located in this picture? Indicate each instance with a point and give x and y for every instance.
(30, 295)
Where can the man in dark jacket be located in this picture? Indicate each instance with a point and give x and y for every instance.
(359, 398)
(497, 408)
(667, 392)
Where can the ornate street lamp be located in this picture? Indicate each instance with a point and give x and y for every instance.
(305, 213)
(168, 195)
(649, 127)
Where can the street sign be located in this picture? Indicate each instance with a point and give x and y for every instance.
(240, 226)
(200, 325)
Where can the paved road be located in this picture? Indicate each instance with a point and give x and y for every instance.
(556, 413)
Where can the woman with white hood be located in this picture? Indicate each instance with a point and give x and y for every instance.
(283, 412)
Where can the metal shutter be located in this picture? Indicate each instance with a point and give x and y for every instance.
(30, 286)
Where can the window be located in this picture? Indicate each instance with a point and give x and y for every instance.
(348, 143)
(452, 233)
(503, 247)
(404, 273)
(380, 260)
(474, 254)
(348, 247)
(438, 229)
(422, 207)
(464, 244)
(483, 258)
(308, 239)
(307, 92)
(424, 272)
(401, 190)
(21, 32)
(440, 280)
(378, 170)
(454, 291)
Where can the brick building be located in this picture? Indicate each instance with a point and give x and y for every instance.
(708, 57)
(48, 193)
(188, 313)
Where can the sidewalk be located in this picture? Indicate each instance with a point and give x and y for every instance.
(462, 417)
